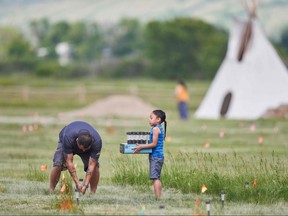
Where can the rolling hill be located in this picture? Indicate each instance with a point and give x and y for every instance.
(272, 13)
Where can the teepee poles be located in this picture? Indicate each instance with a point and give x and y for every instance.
(251, 10)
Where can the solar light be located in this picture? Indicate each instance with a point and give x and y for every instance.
(222, 198)
(162, 207)
(142, 211)
(208, 206)
(77, 193)
(246, 184)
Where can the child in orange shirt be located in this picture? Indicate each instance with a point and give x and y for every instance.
(182, 97)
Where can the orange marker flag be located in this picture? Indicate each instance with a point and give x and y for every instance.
(30, 128)
(197, 202)
(63, 188)
(168, 139)
(24, 128)
(44, 167)
(252, 128)
(204, 188)
(198, 213)
(254, 183)
(260, 140)
(207, 145)
(221, 134)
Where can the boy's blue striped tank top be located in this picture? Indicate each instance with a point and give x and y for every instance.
(158, 150)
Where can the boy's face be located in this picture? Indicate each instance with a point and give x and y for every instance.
(154, 120)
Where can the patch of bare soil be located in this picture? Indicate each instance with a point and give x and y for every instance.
(279, 112)
(116, 105)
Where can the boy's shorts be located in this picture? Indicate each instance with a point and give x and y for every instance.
(155, 167)
(59, 160)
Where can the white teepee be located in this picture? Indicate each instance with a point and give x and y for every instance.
(251, 79)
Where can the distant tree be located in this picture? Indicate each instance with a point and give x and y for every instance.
(19, 48)
(16, 52)
(284, 39)
(128, 37)
(184, 48)
(283, 46)
(39, 29)
(87, 40)
(7, 35)
(59, 32)
(49, 35)
(14, 44)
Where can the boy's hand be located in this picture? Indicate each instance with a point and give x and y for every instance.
(137, 148)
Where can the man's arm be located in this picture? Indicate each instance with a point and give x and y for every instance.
(72, 170)
(90, 170)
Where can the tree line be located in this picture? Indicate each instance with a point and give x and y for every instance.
(182, 48)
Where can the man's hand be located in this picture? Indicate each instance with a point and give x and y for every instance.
(79, 187)
(83, 189)
(72, 170)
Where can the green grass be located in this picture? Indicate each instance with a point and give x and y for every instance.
(35, 174)
(187, 172)
(125, 188)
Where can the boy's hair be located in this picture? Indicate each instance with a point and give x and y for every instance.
(181, 82)
(84, 138)
(162, 115)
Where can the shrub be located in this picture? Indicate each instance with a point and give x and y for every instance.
(129, 67)
(47, 68)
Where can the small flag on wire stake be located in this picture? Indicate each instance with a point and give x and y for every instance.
(203, 189)
(254, 182)
(197, 202)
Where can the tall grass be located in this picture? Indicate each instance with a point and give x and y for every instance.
(65, 199)
(130, 171)
(35, 174)
(25, 187)
(187, 172)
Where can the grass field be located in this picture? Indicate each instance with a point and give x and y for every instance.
(195, 155)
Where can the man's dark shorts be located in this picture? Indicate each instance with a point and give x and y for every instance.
(155, 167)
(59, 159)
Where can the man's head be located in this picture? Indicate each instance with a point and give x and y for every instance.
(84, 140)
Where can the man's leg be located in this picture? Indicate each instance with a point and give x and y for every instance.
(157, 187)
(94, 179)
(54, 177)
(58, 166)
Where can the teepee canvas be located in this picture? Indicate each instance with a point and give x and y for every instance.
(251, 79)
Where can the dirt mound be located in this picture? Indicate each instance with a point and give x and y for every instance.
(279, 112)
(118, 105)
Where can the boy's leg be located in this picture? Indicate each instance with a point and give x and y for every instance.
(183, 110)
(157, 187)
(155, 172)
(94, 179)
(54, 177)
